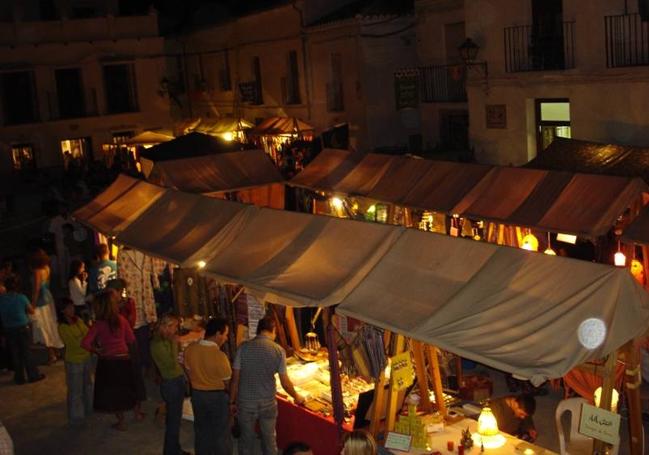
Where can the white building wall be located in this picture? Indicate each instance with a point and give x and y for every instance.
(606, 104)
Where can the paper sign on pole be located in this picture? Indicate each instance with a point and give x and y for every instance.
(398, 441)
(256, 311)
(600, 424)
(402, 372)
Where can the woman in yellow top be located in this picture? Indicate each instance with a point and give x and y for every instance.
(78, 362)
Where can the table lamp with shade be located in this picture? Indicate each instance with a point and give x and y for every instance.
(488, 435)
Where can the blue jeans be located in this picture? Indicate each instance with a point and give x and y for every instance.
(265, 411)
(79, 382)
(173, 393)
(211, 422)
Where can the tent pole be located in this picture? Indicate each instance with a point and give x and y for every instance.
(379, 393)
(334, 373)
(633, 380)
(607, 394)
(393, 398)
(420, 369)
(433, 364)
(292, 328)
(645, 263)
(281, 334)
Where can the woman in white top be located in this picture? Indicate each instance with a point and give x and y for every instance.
(77, 285)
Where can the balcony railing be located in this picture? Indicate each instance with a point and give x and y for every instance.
(627, 40)
(442, 83)
(533, 48)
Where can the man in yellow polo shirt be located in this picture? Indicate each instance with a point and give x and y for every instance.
(209, 373)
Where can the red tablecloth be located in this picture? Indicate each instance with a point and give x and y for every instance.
(296, 423)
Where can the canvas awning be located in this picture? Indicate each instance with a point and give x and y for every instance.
(580, 204)
(300, 259)
(119, 205)
(593, 158)
(180, 227)
(274, 126)
(513, 310)
(149, 138)
(223, 125)
(217, 173)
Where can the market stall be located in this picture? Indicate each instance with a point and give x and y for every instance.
(285, 139)
(227, 128)
(458, 294)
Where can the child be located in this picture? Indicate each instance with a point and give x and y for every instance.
(77, 362)
(14, 308)
(77, 286)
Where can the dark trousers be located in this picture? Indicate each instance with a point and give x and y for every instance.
(211, 418)
(143, 339)
(18, 339)
(173, 393)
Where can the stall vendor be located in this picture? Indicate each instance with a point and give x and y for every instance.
(514, 415)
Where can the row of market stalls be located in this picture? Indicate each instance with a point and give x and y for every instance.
(460, 295)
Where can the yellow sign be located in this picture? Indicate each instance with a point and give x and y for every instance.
(600, 424)
(402, 373)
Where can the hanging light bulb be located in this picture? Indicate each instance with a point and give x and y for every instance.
(549, 251)
(337, 203)
(619, 259)
(530, 243)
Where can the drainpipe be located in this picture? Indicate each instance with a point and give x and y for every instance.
(305, 59)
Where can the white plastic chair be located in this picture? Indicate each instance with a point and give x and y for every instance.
(577, 443)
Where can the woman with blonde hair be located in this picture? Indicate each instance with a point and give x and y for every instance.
(45, 329)
(358, 442)
(111, 338)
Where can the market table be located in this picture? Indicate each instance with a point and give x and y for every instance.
(453, 432)
(296, 423)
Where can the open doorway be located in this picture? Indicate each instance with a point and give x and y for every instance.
(552, 120)
(76, 150)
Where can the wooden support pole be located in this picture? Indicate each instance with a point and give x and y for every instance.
(633, 380)
(607, 394)
(422, 379)
(279, 329)
(433, 365)
(292, 328)
(391, 413)
(379, 393)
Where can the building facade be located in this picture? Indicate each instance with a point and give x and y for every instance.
(75, 75)
(324, 62)
(556, 68)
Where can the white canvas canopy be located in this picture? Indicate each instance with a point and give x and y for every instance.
(512, 309)
(505, 307)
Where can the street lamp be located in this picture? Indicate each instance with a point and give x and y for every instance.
(469, 52)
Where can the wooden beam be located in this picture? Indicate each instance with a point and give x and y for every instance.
(607, 394)
(633, 380)
(379, 393)
(391, 413)
(292, 328)
(433, 365)
(422, 379)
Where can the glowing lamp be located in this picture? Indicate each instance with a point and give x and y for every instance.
(371, 209)
(597, 397)
(550, 252)
(201, 264)
(337, 203)
(488, 434)
(530, 243)
(619, 259)
(637, 270)
(228, 136)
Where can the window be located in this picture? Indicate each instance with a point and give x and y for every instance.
(132, 8)
(121, 92)
(19, 97)
(291, 83)
(256, 72)
(48, 11)
(120, 137)
(22, 156)
(69, 90)
(226, 82)
(552, 120)
(6, 12)
(78, 148)
(82, 9)
(335, 100)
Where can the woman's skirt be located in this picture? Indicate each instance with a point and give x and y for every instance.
(115, 388)
(44, 328)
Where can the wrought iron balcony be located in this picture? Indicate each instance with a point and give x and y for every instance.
(539, 48)
(443, 83)
(627, 40)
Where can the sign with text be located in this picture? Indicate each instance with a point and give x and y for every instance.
(256, 311)
(406, 88)
(398, 441)
(402, 372)
(600, 424)
(248, 91)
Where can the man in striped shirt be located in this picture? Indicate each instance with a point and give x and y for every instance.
(252, 394)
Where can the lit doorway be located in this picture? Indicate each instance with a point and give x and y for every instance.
(552, 120)
(78, 149)
(22, 157)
